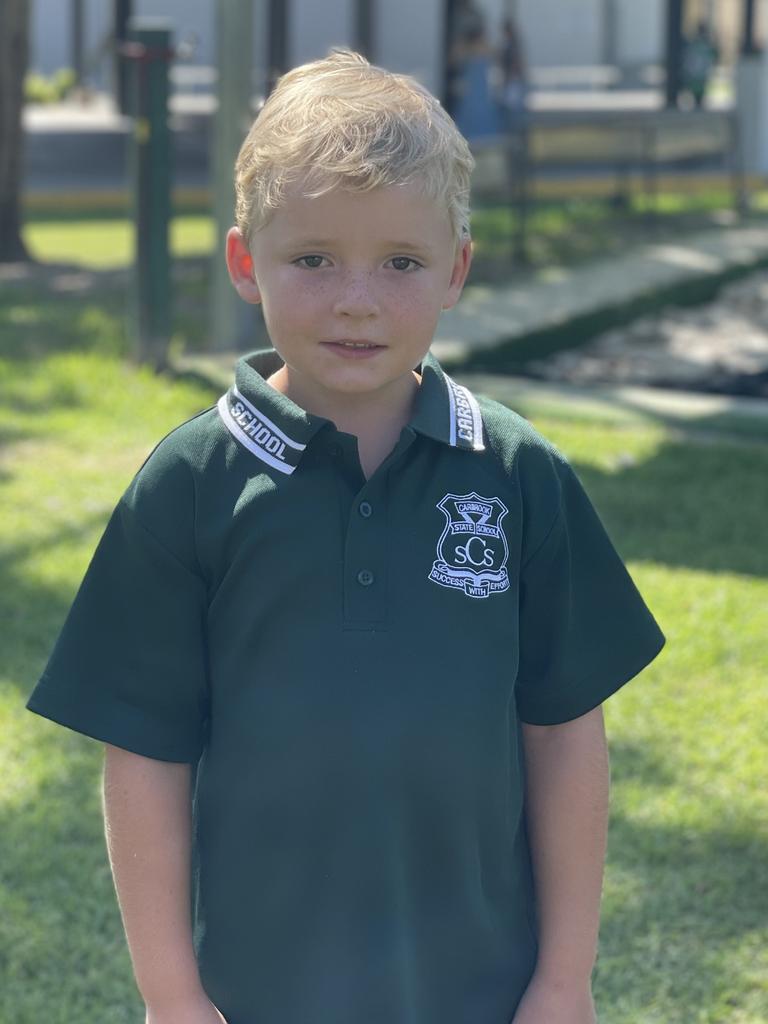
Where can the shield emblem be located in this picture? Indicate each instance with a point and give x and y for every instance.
(472, 551)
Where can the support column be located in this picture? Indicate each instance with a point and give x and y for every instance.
(610, 54)
(149, 51)
(78, 42)
(278, 41)
(752, 97)
(748, 45)
(232, 320)
(122, 13)
(364, 35)
(674, 52)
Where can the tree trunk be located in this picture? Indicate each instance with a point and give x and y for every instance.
(14, 33)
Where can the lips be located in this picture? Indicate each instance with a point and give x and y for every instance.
(353, 343)
(353, 348)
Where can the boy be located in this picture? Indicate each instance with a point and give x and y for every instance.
(343, 622)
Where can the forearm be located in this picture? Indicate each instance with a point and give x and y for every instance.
(147, 814)
(567, 815)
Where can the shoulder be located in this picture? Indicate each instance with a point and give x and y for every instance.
(186, 448)
(529, 462)
(163, 493)
(516, 443)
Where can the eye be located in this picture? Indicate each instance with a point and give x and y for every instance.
(401, 263)
(310, 262)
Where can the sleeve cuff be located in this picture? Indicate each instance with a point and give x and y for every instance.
(610, 674)
(115, 723)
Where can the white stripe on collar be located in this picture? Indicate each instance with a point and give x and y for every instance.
(258, 434)
(466, 421)
(267, 421)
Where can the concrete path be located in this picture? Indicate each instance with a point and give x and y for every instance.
(488, 317)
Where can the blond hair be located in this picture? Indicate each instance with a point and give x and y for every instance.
(342, 121)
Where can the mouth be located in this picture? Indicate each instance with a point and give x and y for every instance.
(353, 349)
(353, 344)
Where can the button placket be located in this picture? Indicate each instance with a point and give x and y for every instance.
(365, 558)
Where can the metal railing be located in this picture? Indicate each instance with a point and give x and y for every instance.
(614, 155)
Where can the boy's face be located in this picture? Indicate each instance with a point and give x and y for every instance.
(352, 286)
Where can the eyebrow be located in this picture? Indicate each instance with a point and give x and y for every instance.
(324, 243)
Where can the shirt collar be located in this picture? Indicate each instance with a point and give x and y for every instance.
(447, 411)
(264, 421)
(277, 431)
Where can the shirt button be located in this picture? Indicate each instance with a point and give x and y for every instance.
(365, 577)
(365, 509)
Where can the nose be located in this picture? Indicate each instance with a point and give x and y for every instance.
(356, 296)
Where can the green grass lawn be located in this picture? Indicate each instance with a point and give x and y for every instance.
(685, 921)
(560, 232)
(105, 243)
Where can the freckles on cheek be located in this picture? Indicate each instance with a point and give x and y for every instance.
(296, 290)
(416, 306)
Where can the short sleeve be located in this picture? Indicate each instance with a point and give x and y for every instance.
(129, 667)
(584, 628)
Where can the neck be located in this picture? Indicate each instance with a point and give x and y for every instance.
(385, 410)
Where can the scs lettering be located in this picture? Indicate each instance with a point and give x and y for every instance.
(479, 555)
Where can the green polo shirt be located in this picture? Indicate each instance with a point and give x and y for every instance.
(348, 663)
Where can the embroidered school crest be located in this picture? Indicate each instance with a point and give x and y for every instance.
(472, 551)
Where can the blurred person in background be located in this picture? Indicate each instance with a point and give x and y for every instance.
(512, 68)
(474, 104)
(699, 59)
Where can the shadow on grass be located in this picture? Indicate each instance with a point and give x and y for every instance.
(62, 951)
(686, 906)
(37, 320)
(47, 308)
(689, 505)
(32, 612)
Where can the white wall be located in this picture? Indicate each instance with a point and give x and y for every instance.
(186, 17)
(50, 32)
(640, 31)
(562, 32)
(409, 38)
(316, 27)
(51, 41)
(409, 33)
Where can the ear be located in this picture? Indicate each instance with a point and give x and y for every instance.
(461, 267)
(240, 267)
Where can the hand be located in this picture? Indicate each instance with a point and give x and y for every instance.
(198, 1010)
(545, 1003)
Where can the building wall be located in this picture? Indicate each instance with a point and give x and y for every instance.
(316, 27)
(561, 34)
(409, 35)
(409, 38)
(50, 32)
(640, 30)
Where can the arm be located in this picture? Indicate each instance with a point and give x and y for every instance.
(147, 815)
(567, 816)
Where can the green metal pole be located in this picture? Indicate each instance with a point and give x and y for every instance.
(148, 49)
